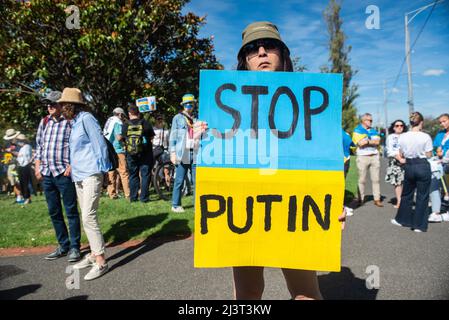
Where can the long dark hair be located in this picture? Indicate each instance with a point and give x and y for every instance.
(285, 57)
(391, 128)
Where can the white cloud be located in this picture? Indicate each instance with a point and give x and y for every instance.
(433, 72)
(395, 90)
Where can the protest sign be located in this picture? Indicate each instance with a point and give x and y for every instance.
(269, 177)
(146, 104)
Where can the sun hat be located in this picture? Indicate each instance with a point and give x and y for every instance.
(188, 98)
(21, 137)
(11, 134)
(71, 95)
(52, 97)
(260, 30)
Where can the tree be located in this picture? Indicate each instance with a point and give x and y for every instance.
(431, 126)
(297, 64)
(339, 60)
(123, 50)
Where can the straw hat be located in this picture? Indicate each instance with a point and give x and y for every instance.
(22, 137)
(72, 95)
(11, 134)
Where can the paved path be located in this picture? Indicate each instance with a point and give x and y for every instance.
(411, 266)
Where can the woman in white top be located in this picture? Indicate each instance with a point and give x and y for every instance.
(395, 170)
(415, 147)
(24, 159)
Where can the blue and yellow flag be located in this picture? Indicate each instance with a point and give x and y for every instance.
(269, 179)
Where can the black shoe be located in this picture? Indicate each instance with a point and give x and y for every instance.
(74, 255)
(58, 253)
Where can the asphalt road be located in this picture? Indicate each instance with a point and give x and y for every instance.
(410, 266)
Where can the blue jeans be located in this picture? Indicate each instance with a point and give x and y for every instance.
(417, 177)
(181, 172)
(139, 168)
(54, 188)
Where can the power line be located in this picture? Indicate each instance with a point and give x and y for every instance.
(413, 45)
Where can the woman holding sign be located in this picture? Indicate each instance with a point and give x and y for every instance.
(263, 50)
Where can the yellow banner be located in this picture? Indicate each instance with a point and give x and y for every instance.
(283, 218)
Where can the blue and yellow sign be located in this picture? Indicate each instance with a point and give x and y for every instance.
(269, 179)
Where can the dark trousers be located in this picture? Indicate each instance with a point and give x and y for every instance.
(417, 177)
(139, 168)
(54, 189)
(25, 180)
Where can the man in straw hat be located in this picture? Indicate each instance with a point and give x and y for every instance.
(52, 167)
(89, 161)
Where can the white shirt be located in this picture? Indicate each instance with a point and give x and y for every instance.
(393, 144)
(109, 126)
(415, 144)
(24, 156)
(161, 137)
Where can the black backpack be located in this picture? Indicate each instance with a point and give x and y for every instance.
(134, 138)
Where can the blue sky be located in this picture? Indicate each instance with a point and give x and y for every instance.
(376, 54)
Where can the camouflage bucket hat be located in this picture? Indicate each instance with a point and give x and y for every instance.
(260, 30)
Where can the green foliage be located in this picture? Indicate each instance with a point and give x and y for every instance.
(123, 50)
(339, 59)
(431, 126)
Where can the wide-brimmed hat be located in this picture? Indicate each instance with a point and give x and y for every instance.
(52, 97)
(188, 98)
(71, 95)
(11, 134)
(260, 30)
(22, 137)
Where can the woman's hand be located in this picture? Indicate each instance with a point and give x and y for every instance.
(173, 158)
(199, 128)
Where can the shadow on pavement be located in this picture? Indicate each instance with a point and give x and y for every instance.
(179, 228)
(125, 230)
(10, 271)
(19, 292)
(345, 286)
(83, 297)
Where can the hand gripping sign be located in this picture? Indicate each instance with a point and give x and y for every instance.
(269, 177)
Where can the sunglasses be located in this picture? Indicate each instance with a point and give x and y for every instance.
(252, 49)
(370, 120)
(52, 105)
(398, 125)
(188, 106)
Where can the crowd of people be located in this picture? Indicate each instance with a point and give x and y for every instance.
(416, 165)
(72, 158)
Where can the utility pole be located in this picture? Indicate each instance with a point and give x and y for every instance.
(409, 68)
(385, 109)
(408, 53)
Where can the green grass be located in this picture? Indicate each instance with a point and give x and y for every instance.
(120, 221)
(30, 225)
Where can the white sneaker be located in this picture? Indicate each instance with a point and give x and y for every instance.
(435, 217)
(445, 216)
(393, 221)
(349, 211)
(177, 209)
(417, 230)
(96, 271)
(87, 262)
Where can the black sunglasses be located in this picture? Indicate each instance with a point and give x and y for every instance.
(252, 49)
